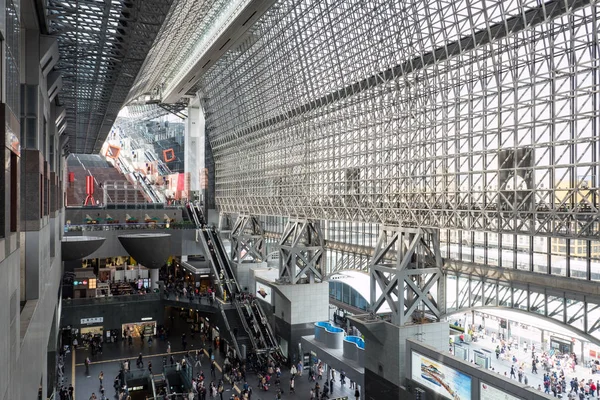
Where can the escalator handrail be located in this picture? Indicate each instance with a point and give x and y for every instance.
(270, 333)
(263, 327)
(235, 343)
(224, 261)
(229, 278)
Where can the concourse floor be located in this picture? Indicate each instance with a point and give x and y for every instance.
(502, 366)
(115, 353)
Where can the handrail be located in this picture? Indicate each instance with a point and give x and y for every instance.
(126, 226)
(258, 317)
(234, 339)
(153, 386)
(110, 299)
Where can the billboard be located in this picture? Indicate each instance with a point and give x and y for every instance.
(448, 382)
(263, 292)
(487, 392)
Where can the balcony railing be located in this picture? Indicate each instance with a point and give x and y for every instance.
(129, 298)
(128, 226)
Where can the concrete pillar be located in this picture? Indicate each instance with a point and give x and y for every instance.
(154, 278)
(194, 147)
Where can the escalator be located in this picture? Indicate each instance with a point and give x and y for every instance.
(160, 386)
(250, 315)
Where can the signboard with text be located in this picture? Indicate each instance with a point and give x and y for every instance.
(89, 321)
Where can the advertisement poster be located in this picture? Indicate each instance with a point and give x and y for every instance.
(443, 380)
(487, 392)
(263, 292)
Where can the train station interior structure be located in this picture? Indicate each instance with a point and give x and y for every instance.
(341, 199)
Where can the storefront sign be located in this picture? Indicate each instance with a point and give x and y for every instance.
(88, 321)
(147, 319)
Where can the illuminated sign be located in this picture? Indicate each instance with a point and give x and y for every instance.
(147, 319)
(448, 382)
(263, 292)
(88, 321)
(487, 392)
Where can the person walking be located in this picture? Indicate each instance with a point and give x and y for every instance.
(168, 347)
(221, 389)
(150, 367)
(101, 377)
(198, 363)
(512, 372)
(87, 366)
(357, 394)
(292, 390)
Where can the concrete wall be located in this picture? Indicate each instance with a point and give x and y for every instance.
(385, 349)
(243, 274)
(114, 314)
(34, 324)
(294, 309)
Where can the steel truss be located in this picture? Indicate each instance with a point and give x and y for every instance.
(412, 286)
(472, 115)
(247, 240)
(102, 47)
(577, 312)
(301, 252)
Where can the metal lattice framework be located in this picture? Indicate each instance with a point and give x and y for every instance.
(247, 240)
(301, 252)
(580, 313)
(477, 118)
(412, 286)
(458, 115)
(189, 24)
(102, 47)
(146, 112)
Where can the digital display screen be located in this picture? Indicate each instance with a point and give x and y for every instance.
(448, 382)
(263, 292)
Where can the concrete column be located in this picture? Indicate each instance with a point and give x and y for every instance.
(194, 146)
(154, 278)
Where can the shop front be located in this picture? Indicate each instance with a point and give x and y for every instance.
(139, 329)
(91, 331)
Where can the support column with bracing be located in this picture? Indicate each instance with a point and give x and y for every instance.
(301, 252)
(247, 240)
(407, 268)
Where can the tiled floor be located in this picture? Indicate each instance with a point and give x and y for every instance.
(114, 353)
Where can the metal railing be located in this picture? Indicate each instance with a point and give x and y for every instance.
(128, 226)
(130, 206)
(128, 298)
